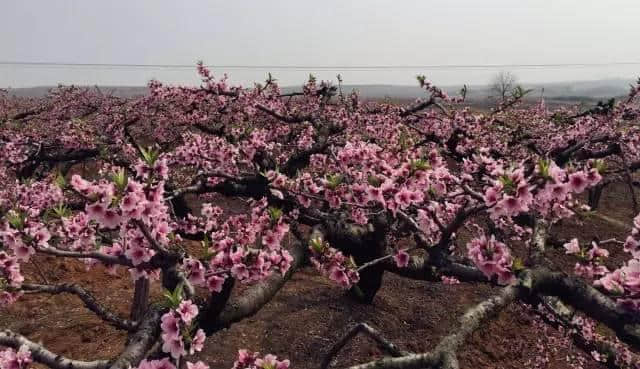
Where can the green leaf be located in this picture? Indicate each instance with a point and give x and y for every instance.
(518, 265)
(420, 164)
(16, 219)
(61, 211)
(317, 245)
(600, 166)
(333, 181)
(507, 183)
(120, 179)
(173, 298)
(374, 181)
(544, 166)
(149, 155)
(275, 214)
(60, 181)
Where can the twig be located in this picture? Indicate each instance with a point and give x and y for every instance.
(89, 301)
(39, 270)
(629, 183)
(369, 331)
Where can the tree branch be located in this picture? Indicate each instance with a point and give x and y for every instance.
(254, 298)
(141, 341)
(444, 354)
(40, 354)
(369, 331)
(107, 259)
(89, 301)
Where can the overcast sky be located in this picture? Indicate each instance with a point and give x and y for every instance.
(316, 33)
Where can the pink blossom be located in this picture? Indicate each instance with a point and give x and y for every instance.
(23, 252)
(42, 237)
(110, 219)
(339, 276)
(10, 359)
(215, 283)
(240, 271)
(597, 252)
(511, 205)
(170, 325)
(491, 196)
(197, 365)
(195, 271)
(612, 282)
(197, 343)
(187, 311)
(449, 280)
(96, 210)
(593, 177)
(139, 254)
(492, 258)
(401, 257)
(375, 194)
(129, 202)
(173, 346)
(572, 247)
(79, 184)
(271, 240)
(403, 198)
(578, 182)
(156, 364)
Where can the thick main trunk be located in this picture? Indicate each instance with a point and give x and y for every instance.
(364, 244)
(141, 341)
(253, 298)
(140, 299)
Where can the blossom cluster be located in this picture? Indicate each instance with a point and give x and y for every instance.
(589, 263)
(11, 359)
(177, 328)
(512, 194)
(247, 248)
(253, 360)
(333, 263)
(624, 282)
(492, 257)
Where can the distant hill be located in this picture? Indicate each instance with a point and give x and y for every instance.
(562, 91)
(122, 91)
(589, 90)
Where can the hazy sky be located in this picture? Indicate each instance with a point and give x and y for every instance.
(312, 33)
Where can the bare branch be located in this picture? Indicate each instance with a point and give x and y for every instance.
(538, 241)
(369, 331)
(444, 355)
(89, 301)
(40, 354)
(107, 259)
(629, 179)
(582, 296)
(415, 108)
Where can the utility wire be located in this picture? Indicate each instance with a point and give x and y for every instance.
(314, 67)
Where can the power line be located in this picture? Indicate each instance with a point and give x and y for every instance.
(315, 67)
